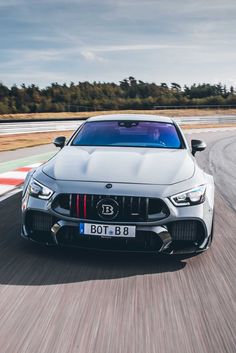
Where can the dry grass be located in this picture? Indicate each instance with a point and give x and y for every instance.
(167, 112)
(195, 112)
(13, 142)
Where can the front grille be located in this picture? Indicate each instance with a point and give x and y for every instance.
(130, 208)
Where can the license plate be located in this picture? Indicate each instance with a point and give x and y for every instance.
(107, 230)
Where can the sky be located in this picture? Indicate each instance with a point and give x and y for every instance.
(183, 41)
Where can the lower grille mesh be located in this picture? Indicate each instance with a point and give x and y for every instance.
(38, 225)
(39, 221)
(144, 241)
(184, 230)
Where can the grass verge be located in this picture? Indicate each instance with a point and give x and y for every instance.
(166, 112)
(14, 142)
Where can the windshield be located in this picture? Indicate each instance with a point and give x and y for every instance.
(128, 133)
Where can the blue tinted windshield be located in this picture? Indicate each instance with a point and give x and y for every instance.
(128, 133)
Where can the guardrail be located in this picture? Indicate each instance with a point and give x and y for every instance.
(38, 125)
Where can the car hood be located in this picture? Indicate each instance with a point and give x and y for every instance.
(121, 165)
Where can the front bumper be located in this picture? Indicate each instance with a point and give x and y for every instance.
(182, 230)
(185, 230)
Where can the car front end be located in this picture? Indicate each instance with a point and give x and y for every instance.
(118, 200)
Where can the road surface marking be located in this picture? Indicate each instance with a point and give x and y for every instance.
(13, 179)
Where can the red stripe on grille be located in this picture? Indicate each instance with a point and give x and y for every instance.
(77, 205)
(85, 206)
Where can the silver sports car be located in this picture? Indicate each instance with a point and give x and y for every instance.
(123, 183)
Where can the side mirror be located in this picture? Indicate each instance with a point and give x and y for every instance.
(197, 146)
(59, 141)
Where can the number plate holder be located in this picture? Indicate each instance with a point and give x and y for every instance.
(107, 230)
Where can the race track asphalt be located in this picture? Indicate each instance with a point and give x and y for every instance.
(61, 300)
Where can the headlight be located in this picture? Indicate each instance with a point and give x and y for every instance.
(27, 181)
(190, 197)
(38, 190)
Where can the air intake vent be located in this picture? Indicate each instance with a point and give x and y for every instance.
(39, 221)
(185, 230)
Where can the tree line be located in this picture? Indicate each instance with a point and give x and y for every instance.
(128, 94)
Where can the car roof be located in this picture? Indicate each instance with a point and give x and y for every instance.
(135, 117)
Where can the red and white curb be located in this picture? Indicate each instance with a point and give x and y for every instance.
(15, 178)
